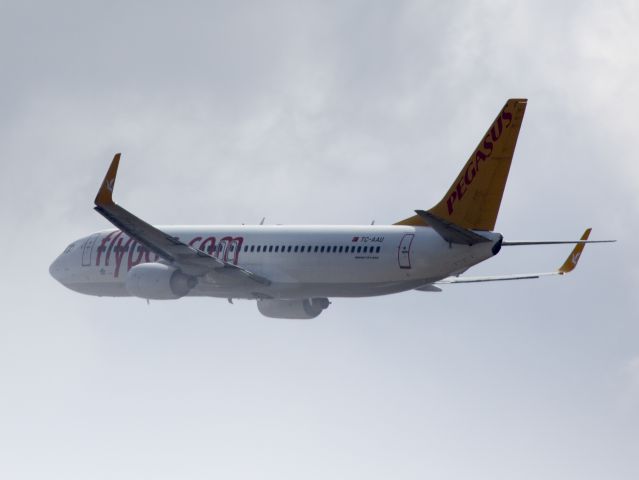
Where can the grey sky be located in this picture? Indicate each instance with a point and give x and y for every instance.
(320, 112)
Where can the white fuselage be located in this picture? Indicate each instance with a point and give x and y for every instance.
(299, 261)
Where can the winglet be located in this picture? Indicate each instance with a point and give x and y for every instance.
(571, 262)
(104, 196)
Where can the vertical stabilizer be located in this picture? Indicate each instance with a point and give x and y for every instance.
(473, 200)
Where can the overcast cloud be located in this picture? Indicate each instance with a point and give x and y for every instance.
(320, 112)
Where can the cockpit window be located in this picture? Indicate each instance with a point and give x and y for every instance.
(69, 248)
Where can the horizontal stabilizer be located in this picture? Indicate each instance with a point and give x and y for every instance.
(567, 267)
(566, 242)
(450, 232)
(495, 278)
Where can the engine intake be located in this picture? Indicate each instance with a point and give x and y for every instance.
(158, 281)
(301, 309)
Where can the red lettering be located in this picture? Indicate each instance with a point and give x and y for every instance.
(228, 250)
(488, 145)
(468, 179)
(108, 254)
(194, 240)
(479, 157)
(147, 255)
(211, 245)
(138, 260)
(451, 201)
(229, 245)
(119, 255)
(495, 135)
(461, 189)
(103, 247)
(507, 116)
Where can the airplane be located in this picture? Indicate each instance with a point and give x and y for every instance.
(293, 271)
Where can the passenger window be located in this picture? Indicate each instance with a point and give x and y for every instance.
(322, 249)
(270, 249)
(296, 247)
(259, 248)
(359, 249)
(288, 249)
(302, 249)
(277, 247)
(316, 248)
(378, 249)
(341, 248)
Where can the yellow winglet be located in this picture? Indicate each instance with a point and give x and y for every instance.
(571, 262)
(104, 196)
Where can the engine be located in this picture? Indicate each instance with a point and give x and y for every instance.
(158, 281)
(293, 309)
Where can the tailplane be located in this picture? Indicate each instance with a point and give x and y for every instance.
(473, 200)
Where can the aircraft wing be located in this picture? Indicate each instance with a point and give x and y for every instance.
(188, 259)
(567, 267)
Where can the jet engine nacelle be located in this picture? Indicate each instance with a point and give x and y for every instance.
(158, 281)
(293, 309)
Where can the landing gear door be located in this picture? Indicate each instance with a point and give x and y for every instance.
(87, 249)
(403, 253)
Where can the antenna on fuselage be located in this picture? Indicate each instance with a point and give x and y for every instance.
(373, 222)
(262, 222)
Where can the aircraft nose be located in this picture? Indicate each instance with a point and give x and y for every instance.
(55, 269)
(59, 269)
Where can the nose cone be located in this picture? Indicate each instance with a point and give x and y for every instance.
(56, 269)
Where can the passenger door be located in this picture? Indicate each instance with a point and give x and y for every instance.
(403, 252)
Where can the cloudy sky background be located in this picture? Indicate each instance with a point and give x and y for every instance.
(320, 112)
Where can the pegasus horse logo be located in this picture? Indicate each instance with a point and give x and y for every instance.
(575, 258)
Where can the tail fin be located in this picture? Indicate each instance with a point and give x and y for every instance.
(473, 200)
